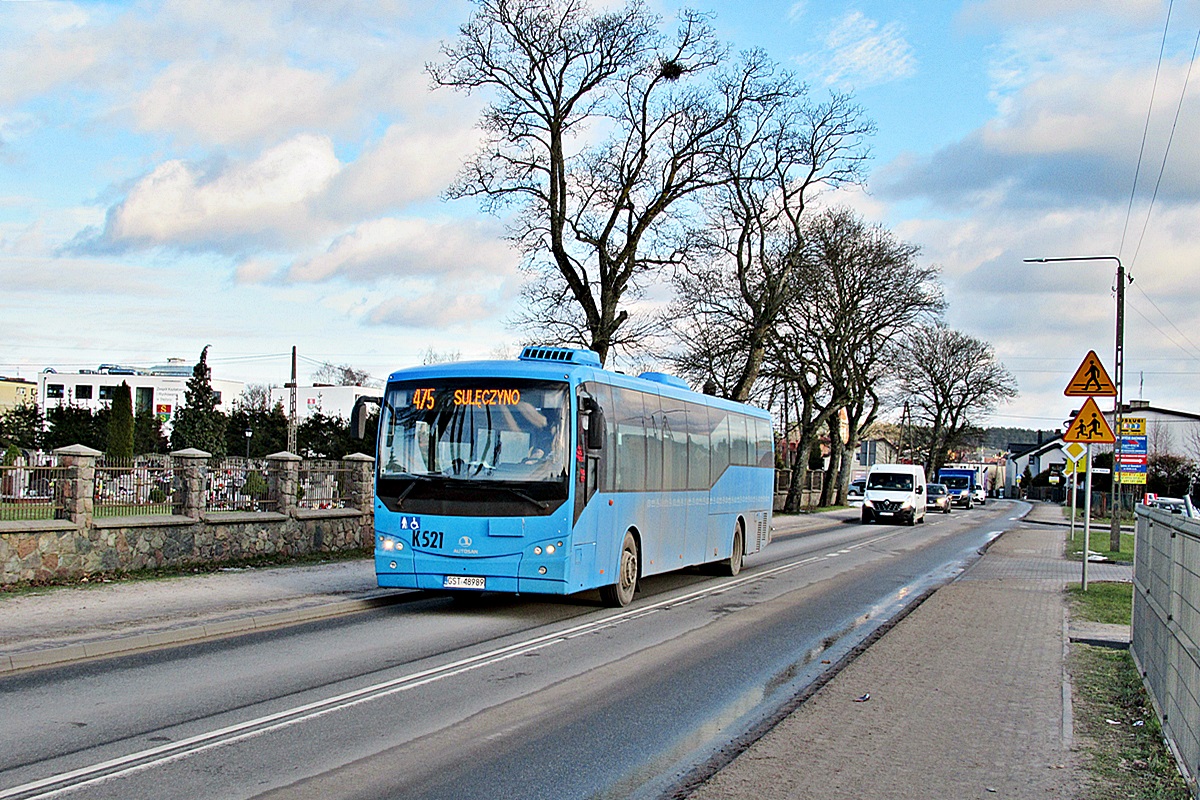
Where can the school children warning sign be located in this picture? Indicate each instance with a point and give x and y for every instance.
(1091, 379)
(1090, 426)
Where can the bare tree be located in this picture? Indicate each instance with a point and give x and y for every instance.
(1160, 439)
(431, 356)
(255, 397)
(856, 290)
(953, 379)
(594, 219)
(1191, 437)
(773, 160)
(342, 375)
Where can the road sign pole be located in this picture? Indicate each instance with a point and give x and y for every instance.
(1074, 497)
(1087, 517)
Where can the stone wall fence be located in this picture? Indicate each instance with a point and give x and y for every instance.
(86, 515)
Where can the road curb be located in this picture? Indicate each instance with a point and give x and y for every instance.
(55, 656)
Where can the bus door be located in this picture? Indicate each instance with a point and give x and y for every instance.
(590, 516)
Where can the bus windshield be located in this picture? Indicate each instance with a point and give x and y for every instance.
(475, 430)
(955, 481)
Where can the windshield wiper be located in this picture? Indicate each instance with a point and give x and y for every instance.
(543, 505)
(415, 479)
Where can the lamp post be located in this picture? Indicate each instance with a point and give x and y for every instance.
(249, 433)
(1114, 536)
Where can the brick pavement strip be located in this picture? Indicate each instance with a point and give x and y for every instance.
(966, 701)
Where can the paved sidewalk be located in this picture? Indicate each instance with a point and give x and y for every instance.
(70, 623)
(968, 696)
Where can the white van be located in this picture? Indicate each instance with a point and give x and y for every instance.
(895, 491)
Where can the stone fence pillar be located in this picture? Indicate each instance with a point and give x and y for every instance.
(75, 493)
(283, 479)
(190, 495)
(360, 484)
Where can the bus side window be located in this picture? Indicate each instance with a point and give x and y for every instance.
(608, 455)
(630, 452)
(675, 444)
(698, 444)
(720, 442)
(654, 442)
(741, 447)
(764, 443)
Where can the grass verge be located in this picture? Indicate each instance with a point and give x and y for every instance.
(1120, 736)
(1099, 543)
(1105, 601)
(1126, 758)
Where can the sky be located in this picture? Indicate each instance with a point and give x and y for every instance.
(261, 175)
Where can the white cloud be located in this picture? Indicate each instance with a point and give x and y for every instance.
(238, 102)
(386, 248)
(1026, 11)
(56, 283)
(1068, 138)
(413, 161)
(264, 202)
(437, 310)
(861, 53)
(255, 270)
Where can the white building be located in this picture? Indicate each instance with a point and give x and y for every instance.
(160, 389)
(332, 401)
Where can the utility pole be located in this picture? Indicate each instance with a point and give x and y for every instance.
(292, 407)
(1114, 534)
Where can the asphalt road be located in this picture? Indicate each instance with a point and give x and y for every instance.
(503, 697)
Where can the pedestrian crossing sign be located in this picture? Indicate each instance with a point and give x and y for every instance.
(1091, 379)
(1090, 426)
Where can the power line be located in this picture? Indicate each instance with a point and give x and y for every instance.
(1194, 354)
(1167, 151)
(1146, 129)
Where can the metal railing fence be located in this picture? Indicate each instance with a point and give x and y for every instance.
(133, 486)
(28, 489)
(237, 484)
(323, 484)
(1166, 628)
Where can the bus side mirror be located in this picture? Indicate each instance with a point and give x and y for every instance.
(595, 428)
(358, 416)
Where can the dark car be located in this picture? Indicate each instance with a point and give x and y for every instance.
(937, 497)
(854, 495)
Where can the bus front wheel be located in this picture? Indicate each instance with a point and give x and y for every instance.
(620, 594)
(733, 565)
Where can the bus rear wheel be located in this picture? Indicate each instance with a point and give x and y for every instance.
(620, 593)
(733, 565)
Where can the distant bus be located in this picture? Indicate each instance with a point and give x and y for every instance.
(551, 475)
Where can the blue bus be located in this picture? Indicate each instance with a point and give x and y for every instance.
(548, 474)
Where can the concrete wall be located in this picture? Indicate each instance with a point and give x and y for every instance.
(1166, 628)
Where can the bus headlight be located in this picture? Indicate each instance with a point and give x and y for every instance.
(549, 549)
(389, 544)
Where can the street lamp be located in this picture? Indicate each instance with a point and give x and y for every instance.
(1114, 536)
(249, 433)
